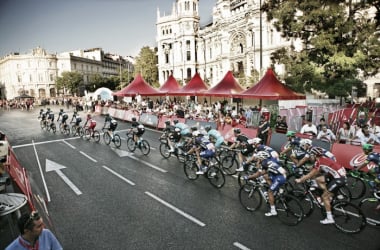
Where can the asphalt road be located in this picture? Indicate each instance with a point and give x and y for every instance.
(106, 198)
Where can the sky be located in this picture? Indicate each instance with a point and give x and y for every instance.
(117, 26)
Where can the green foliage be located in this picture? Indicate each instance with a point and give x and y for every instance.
(70, 81)
(146, 64)
(340, 42)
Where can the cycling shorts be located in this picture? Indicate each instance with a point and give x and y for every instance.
(207, 153)
(336, 183)
(277, 181)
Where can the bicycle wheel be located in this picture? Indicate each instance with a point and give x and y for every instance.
(289, 210)
(144, 147)
(190, 168)
(356, 186)
(66, 130)
(80, 132)
(247, 172)
(291, 184)
(343, 194)
(131, 144)
(371, 209)
(107, 138)
(164, 150)
(216, 176)
(117, 140)
(229, 164)
(348, 217)
(96, 135)
(87, 134)
(250, 197)
(306, 201)
(42, 124)
(54, 128)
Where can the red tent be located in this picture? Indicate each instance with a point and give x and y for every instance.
(227, 87)
(194, 87)
(170, 85)
(270, 88)
(138, 87)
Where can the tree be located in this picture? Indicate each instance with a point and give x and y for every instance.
(146, 64)
(340, 42)
(70, 81)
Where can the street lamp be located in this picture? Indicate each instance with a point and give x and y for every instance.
(261, 40)
(204, 56)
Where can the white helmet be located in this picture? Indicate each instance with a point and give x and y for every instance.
(196, 133)
(262, 155)
(255, 141)
(140, 126)
(304, 142)
(177, 130)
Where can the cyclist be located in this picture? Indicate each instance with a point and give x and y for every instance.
(203, 148)
(185, 130)
(329, 175)
(91, 122)
(169, 133)
(372, 157)
(50, 118)
(215, 135)
(110, 124)
(246, 149)
(303, 155)
(42, 115)
(64, 117)
(137, 129)
(274, 174)
(258, 146)
(76, 119)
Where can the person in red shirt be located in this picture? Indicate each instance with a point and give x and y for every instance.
(91, 123)
(325, 168)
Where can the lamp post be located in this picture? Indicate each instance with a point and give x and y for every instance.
(204, 56)
(261, 40)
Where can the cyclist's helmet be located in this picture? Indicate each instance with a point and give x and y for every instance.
(262, 155)
(140, 126)
(255, 141)
(317, 151)
(367, 147)
(290, 134)
(88, 114)
(175, 121)
(194, 128)
(177, 130)
(373, 158)
(237, 130)
(61, 110)
(207, 128)
(42, 110)
(75, 112)
(107, 115)
(196, 133)
(305, 142)
(167, 123)
(48, 109)
(134, 119)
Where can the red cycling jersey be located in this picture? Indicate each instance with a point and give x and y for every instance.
(326, 165)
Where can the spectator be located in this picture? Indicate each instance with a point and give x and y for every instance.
(322, 122)
(326, 134)
(345, 134)
(309, 128)
(263, 130)
(281, 125)
(367, 137)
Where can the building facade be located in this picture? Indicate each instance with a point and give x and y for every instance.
(35, 73)
(239, 39)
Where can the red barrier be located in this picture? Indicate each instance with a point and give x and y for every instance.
(19, 176)
(350, 155)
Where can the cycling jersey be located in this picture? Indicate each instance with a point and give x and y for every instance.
(330, 167)
(219, 139)
(268, 149)
(276, 173)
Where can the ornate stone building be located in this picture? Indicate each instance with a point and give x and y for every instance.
(35, 73)
(239, 39)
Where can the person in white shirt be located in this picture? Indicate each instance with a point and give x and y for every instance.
(309, 128)
(326, 134)
(367, 137)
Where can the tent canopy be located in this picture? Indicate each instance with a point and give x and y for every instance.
(227, 87)
(194, 87)
(170, 85)
(270, 88)
(138, 87)
(24, 96)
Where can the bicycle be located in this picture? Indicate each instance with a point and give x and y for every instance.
(356, 182)
(289, 209)
(348, 217)
(43, 123)
(65, 129)
(77, 129)
(214, 172)
(179, 150)
(107, 138)
(229, 159)
(371, 207)
(91, 133)
(51, 126)
(142, 144)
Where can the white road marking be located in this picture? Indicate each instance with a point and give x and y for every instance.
(68, 144)
(147, 163)
(118, 175)
(89, 157)
(187, 216)
(241, 246)
(56, 167)
(41, 172)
